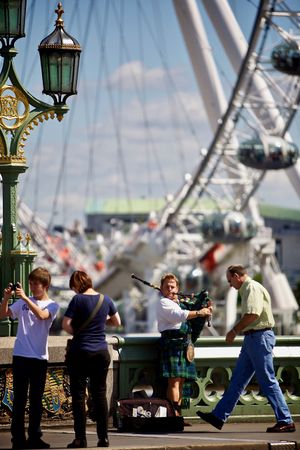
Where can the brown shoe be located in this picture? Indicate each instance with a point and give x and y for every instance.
(282, 427)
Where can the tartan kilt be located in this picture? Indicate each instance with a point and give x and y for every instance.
(173, 359)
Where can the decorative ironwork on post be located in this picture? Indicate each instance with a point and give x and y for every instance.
(19, 113)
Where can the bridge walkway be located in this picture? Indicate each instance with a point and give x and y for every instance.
(198, 436)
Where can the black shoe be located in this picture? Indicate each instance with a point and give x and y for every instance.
(18, 445)
(210, 418)
(36, 443)
(103, 442)
(77, 443)
(282, 427)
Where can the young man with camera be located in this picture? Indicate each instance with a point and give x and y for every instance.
(35, 315)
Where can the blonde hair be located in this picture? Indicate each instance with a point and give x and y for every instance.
(168, 276)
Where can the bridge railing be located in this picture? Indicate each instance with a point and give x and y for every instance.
(135, 367)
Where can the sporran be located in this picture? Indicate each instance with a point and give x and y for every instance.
(190, 352)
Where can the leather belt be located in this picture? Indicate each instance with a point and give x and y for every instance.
(256, 331)
(173, 334)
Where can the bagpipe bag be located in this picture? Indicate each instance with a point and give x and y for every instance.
(194, 303)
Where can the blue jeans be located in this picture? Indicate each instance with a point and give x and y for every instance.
(255, 358)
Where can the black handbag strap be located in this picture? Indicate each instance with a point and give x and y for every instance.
(92, 315)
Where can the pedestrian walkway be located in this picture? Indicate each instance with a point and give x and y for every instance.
(199, 436)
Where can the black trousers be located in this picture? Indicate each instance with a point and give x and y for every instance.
(86, 366)
(27, 373)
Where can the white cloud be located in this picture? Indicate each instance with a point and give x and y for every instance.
(134, 75)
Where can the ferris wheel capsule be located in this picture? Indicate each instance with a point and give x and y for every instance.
(285, 57)
(268, 153)
(194, 280)
(228, 227)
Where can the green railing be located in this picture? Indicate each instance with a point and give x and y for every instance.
(135, 366)
(215, 361)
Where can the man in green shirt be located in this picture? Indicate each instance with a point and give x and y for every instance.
(255, 357)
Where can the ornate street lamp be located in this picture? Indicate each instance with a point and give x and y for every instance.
(20, 112)
(59, 54)
(12, 19)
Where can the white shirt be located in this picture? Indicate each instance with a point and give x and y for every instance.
(32, 334)
(169, 315)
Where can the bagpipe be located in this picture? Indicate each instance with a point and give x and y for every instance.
(194, 302)
(191, 302)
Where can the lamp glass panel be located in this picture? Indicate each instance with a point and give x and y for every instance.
(76, 70)
(45, 71)
(61, 72)
(2, 21)
(67, 74)
(54, 73)
(50, 70)
(12, 17)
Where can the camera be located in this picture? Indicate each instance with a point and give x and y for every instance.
(14, 286)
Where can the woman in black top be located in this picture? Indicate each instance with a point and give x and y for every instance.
(88, 357)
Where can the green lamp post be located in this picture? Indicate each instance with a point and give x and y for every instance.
(20, 112)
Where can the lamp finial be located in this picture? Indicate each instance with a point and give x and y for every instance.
(59, 11)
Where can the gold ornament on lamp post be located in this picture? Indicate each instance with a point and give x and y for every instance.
(20, 112)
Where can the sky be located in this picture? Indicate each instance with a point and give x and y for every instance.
(138, 122)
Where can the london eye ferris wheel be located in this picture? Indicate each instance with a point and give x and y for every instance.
(214, 178)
